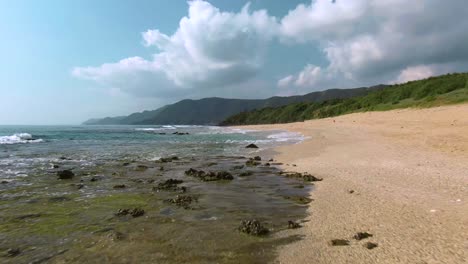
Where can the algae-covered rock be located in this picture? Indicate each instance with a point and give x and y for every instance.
(253, 227)
(65, 174)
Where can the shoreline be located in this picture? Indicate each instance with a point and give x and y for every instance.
(400, 175)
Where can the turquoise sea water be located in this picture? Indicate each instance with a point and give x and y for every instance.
(44, 219)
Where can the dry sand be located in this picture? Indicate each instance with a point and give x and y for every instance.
(409, 172)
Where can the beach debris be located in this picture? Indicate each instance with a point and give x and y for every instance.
(251, 146)
(253, 227)
(293, 225)
(12, 252)
(170, 185)
(135, 212)
(65, 174)
(371, 245)
(119, 186)
(362, 235)
(183, 201)
(209, 176)
(339, 242)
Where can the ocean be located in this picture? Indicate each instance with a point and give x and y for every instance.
(118, 170)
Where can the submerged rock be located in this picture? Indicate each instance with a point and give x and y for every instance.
(170, 185)
(246, 173)
(257, 158)
(136, 212)
(180, 133)
(299, 199)
(362, 235)
(209, 176)
(253, 227)
(183, 201)
(65, 174)
(339, 242)
(251, 146)
(251, 162)
(141, 167)
(304, 176)
(168, 159)
(12, 252)
(119, 186)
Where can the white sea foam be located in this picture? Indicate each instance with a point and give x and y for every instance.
(19, 138)
(286, 136)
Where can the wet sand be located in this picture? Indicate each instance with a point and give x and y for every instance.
(400, 175)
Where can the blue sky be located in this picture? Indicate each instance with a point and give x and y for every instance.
(63, 62)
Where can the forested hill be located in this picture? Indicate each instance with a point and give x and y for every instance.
(212, 111)
(434, 91)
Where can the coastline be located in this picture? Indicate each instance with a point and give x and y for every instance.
(407, 170)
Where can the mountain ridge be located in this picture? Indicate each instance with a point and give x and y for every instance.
(214, 110)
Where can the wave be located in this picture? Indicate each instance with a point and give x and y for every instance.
(19, 138)
(286, 136)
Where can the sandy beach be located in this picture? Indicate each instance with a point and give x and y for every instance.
(400, 175)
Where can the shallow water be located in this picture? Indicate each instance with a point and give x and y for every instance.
(51, 220)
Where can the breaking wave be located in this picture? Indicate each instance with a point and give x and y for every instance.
(19, 138)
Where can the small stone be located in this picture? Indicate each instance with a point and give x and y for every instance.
(293, 225)
(362, 235)
(371, 245)
(55, 166)
(93, 179)
(5, 182)
(251, 146)
(339, 242)
(350, 191)
(137, 212)
(119, 186)
(257, 158)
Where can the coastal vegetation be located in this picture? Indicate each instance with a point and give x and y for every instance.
(434, 91)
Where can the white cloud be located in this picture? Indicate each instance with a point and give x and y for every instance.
(286, 81)
(210, 49)
(415, 73)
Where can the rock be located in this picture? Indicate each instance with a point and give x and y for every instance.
(161, 168)
(209, 176)
(183, 201)
(299, 199)
(5, 182)
(170, 185)
(119, 186)
(136, 212)
(306, 177)
(79, 186)
(180, 133)
(339, 242)
(267, 164)
(169, 159)
(271, 160)
(350, 191)
(293, 225)
(238, 167)
(93, 179)
(246, 173)
(13, 252)
(65, 174)
(251, 146)
(251, 162)
(253, 227)
(257, 158)
(125, 163)
(371, 245)
(55, 166)
(362, 235)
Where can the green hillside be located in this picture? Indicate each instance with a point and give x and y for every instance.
(434, 91)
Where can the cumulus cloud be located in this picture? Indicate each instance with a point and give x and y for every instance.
(415, 73)
(210, 49)
(362, 39)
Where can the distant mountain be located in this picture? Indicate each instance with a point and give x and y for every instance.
(212, 111)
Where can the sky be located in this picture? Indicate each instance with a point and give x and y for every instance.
(63, 62)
